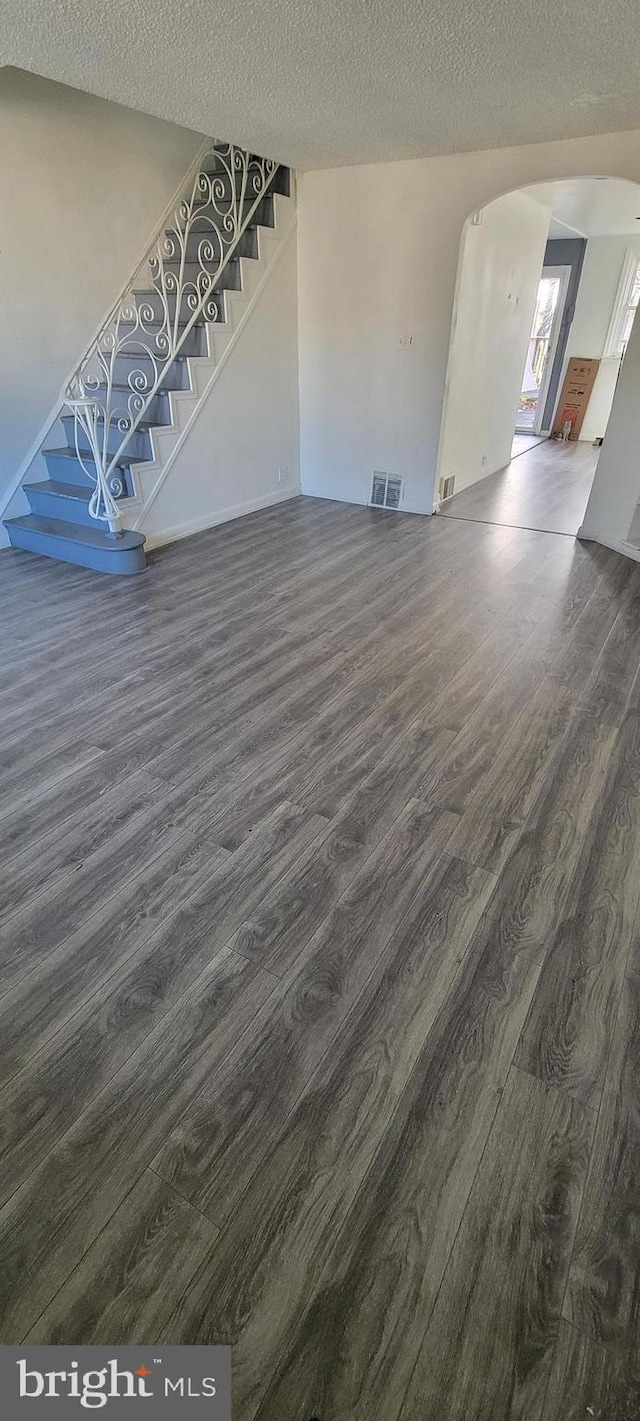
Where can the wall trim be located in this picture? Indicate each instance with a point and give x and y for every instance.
(223, 515)
(215, 374)
(363, 503)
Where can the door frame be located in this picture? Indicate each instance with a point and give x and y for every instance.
(564, 272)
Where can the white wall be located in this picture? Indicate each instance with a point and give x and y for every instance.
(247, 428)
(498, 280)
(601, 272)
(616, 487)
(378, 254)
(83, 185)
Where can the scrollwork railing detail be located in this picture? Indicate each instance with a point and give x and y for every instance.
(176, 286)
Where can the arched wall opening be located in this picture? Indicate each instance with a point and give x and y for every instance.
(378, 248)
(513, 334)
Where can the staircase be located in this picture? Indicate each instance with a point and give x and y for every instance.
(124, 392)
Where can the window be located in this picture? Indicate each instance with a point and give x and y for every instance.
(625, 308)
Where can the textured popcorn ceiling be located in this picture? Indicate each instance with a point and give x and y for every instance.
(323, 82)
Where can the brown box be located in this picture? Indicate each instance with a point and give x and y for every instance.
(576, 392)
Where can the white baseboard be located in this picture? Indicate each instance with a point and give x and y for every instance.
(362, 503)
(609, 540)
(223, 515)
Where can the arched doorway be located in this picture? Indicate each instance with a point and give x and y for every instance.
(548, 276)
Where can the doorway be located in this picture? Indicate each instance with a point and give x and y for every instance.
(547, 274)
(546, 488)
(545, 330)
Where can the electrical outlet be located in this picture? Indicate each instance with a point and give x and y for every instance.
(283, 475)
(407, 342)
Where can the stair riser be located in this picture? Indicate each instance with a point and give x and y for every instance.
(135, 446)
(51, 505)
(123, 562)
(195, 252)
(143, 344)
(66, 471)
(210, 215)
(231, 280)
(157, 412)
(214, 168)
(282, 182)
(175, 378)
(152, 299)
(247, 247)
(69, 471)
(249, 240)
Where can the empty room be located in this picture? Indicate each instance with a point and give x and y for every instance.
(320, 710)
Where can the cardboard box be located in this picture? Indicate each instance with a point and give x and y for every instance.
(576, 393)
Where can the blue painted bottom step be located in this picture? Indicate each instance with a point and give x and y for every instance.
(70, 542)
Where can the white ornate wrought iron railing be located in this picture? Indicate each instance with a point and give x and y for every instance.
(176, 285)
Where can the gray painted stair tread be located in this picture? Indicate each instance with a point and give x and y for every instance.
(66, 453)
(62, 490)
(116, 385)
(75, 533)
(115, 415)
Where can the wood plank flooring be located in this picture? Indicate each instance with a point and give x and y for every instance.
(319, 963)
(544, 487)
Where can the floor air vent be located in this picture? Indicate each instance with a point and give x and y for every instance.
(386, 490)
(447, 486)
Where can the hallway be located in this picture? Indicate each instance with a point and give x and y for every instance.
(545, 488)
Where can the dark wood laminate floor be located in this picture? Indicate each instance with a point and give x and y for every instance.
(320, 968)
(545, 487)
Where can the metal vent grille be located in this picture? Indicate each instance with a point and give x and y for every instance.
(386, 490)
(447, 486)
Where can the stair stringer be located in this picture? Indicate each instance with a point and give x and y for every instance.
(204, 370)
